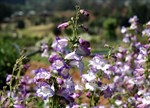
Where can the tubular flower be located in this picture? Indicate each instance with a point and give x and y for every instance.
(63, 25)
(59, 44)
(45, 91)
(84, 48)
(42, 75)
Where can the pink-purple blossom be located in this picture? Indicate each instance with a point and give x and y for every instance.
(63, 25)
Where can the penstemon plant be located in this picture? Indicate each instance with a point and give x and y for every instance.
(125, 67)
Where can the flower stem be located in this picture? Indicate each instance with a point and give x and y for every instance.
(17, 66)
(75, 22)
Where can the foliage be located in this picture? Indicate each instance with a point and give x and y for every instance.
(109, 26)
(8, 54)
(5, 11)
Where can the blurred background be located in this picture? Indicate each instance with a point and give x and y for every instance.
(25, 24)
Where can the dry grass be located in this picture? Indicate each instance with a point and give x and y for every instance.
(37, 31)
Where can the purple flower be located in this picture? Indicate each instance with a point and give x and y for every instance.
(99, 63)
(75, 95)
(45, 91)
(89, 77)
(84, 43)
(59, 81)
(146, 32)
(143, 50)
(133, 26)
(64, 72)
(69, 85)
(63, 25)
(8, 79)
(84, 48)
(129, 83)
(88, 94)
(133, 19)
(84, 12)
(72, 56)
(60, 67)
(53, 57)
(78, 64)
(18, 106)
(44, 48)
(99, 82)
(75, 60)
(42, 75)
(67, 89)
(59, 44)
(127, 38)
(90, 81)
(108, 92)
(58, 64)
(25, 80)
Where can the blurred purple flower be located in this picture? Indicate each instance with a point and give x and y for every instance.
(108, 92)
(64, 72)
(75, 95)
(8, 78)
(133, 19)
(129, 83)
(69, 85)
(63, 25)
(59, 81)
(53, 57)
(146, 32)
(133, 26)
(18, 106)
(59, 44)
(58, 64)
(84, 12)
(45, 91)
(79, 64)
(84, 48)
(44, 48)
(72, 56)
(42, 75)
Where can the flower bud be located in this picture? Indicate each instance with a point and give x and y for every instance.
(83, 12)
(63, 25)
(18, 106)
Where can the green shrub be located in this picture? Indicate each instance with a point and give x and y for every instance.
(109, 26)
(8, 55)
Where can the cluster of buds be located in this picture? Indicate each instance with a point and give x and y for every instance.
(66, 24)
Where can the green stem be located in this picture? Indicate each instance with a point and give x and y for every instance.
(92, 101)
(15, 68)
(75, 22)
